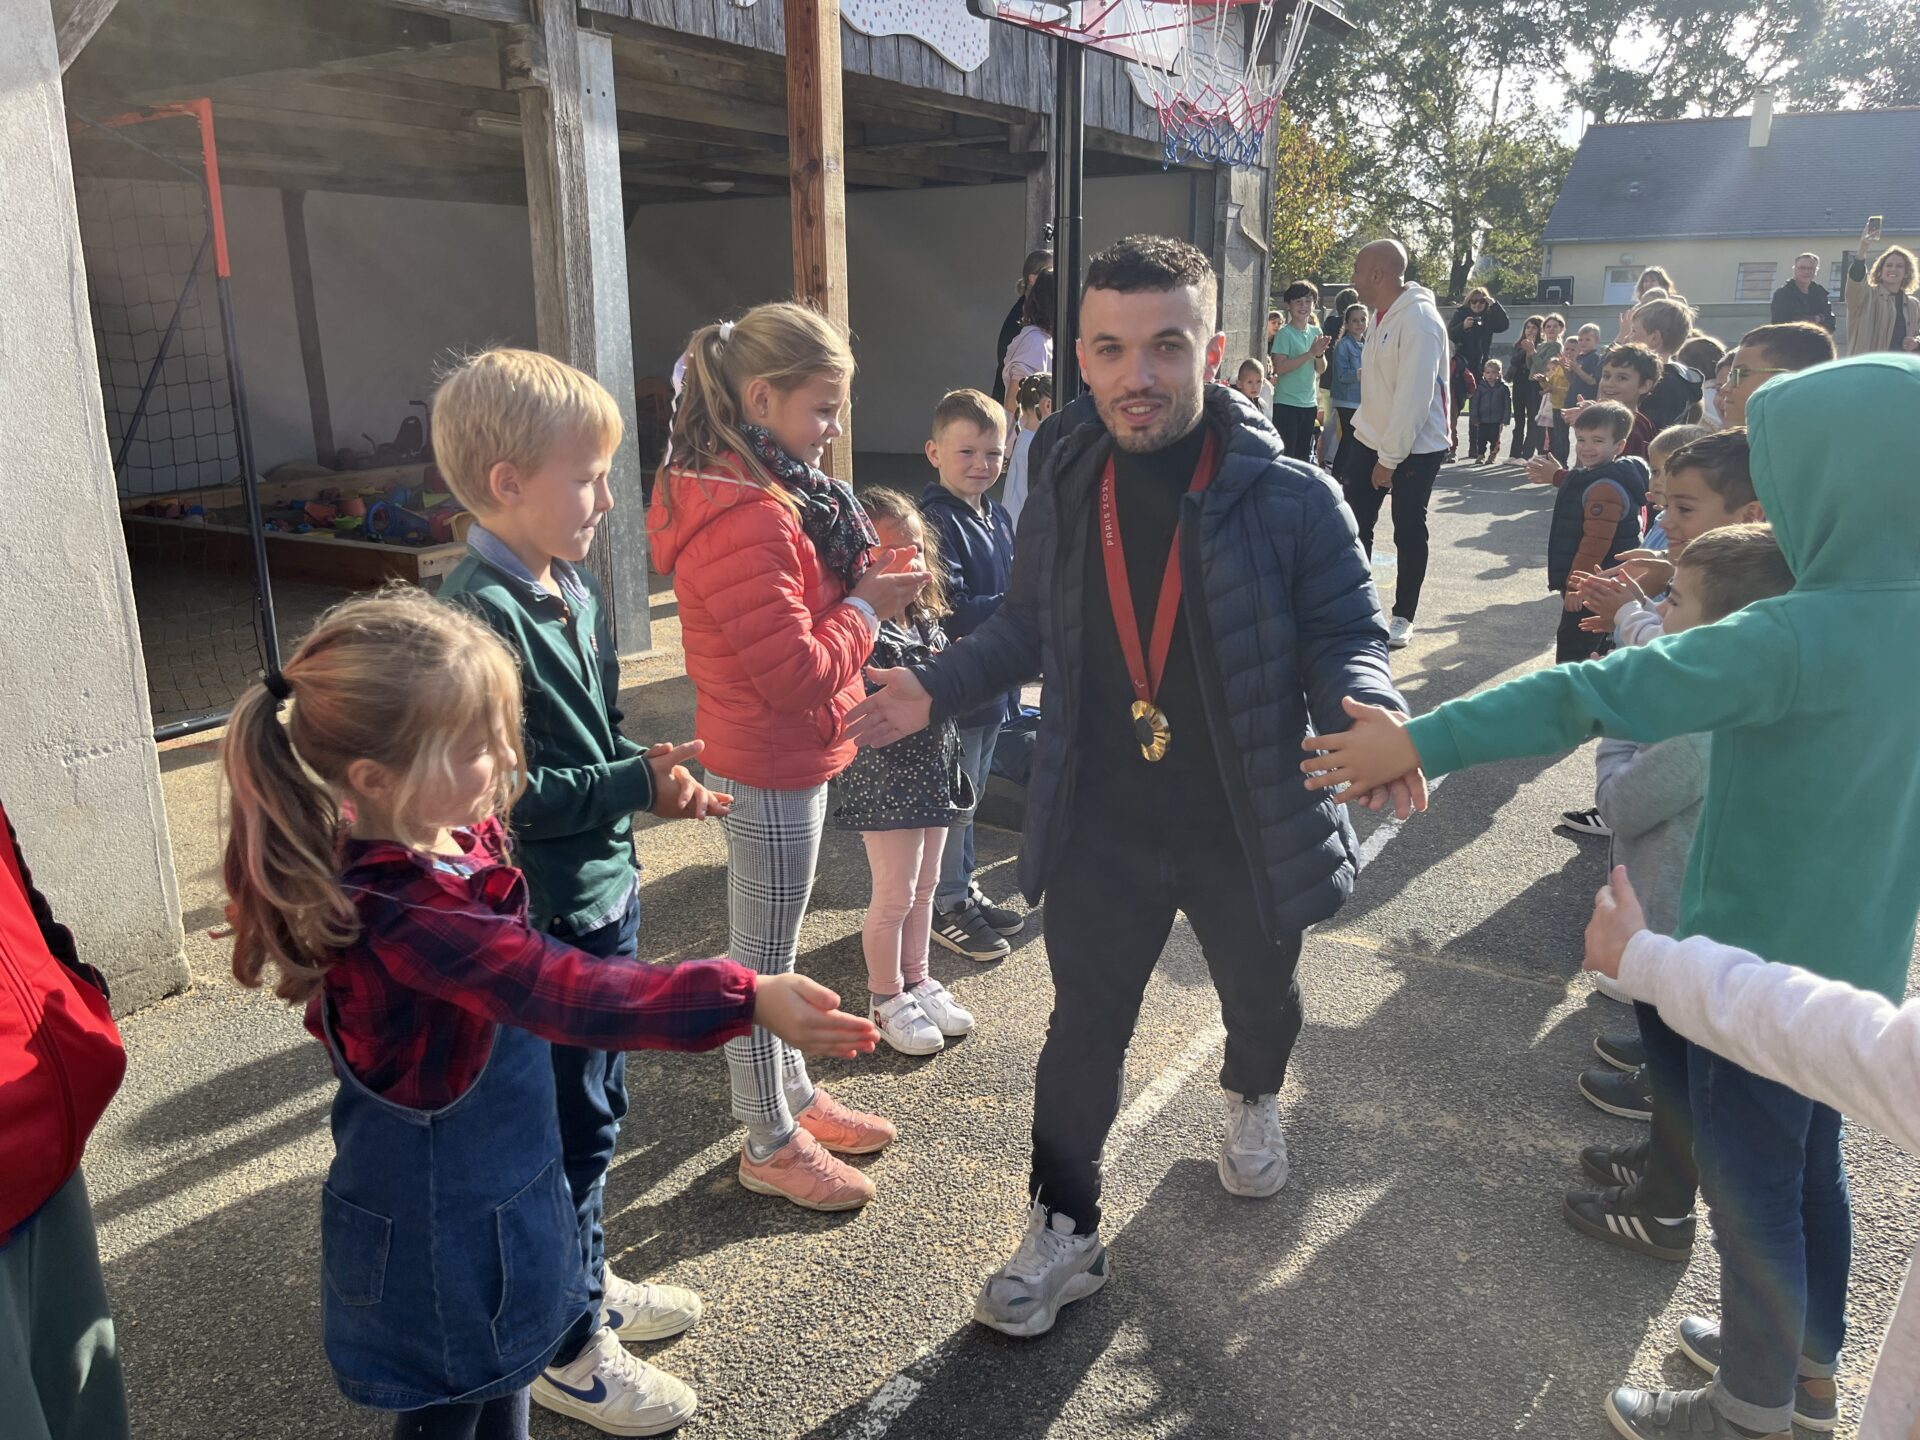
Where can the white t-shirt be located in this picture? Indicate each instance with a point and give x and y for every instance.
(1017, 481)
(1031, 353)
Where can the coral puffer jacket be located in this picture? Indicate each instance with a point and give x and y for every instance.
(774, 655)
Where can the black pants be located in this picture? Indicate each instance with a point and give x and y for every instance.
(1486, 439)
(1346, 415)
(1110, 907)
(1411, 489)
(1295, 424)
(1570, 642)
(502, 1419)
(1672, 1180)
(1526, 403)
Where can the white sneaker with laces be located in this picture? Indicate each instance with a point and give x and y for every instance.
(905, 1026)
(638, 1311)
(939, 1006)
(1253, 1156)
(1053, 1267)
(1398, 632)
(614, 1392)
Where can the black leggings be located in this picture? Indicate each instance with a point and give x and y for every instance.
(1295, 424)
(501, 1419)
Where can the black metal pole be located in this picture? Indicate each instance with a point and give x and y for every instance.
(139, 415)
(1069, 180)
(249, 481)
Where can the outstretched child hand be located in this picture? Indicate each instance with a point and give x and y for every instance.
(807, 1016)
(676, 794)
(1605, 594)
(1542, 469)
(1649, 569)
(1617, 918)
(1373, 759)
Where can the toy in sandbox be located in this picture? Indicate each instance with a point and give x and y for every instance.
(352, 528)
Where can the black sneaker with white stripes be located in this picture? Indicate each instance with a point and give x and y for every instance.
(1617, 1164)
(1618, 1092)
(1617, 1216)
(1586, 822)
(965, 932)
(999, 918)
(1622, 1049)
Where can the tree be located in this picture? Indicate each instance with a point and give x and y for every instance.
(1309, 198)
(1662, 59)
(1863, 54)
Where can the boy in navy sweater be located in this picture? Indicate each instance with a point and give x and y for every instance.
(975, 537)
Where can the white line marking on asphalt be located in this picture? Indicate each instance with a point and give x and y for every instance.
(894, 1398)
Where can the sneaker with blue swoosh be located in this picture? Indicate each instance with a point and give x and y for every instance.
(615, 1392)
(646, 1311)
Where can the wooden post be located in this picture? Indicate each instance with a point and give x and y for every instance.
(1032, 143)
(74, 24)
(306, 317)
(816, 153)
(570, 135)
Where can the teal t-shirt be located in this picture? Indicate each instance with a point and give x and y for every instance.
(1297, 386)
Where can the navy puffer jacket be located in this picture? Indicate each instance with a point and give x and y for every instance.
(1284, 624)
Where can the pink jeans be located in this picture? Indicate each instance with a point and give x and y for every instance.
(906, 868)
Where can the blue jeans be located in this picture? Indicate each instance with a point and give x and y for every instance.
(1776, 1186)
(956, 864)
(591, 1089)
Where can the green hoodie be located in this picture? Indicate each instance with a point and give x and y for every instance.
(1808, 850)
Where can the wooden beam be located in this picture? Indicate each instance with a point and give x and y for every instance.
(306, 316)
(74, 24)
(815, 152)
(471, 58)
(492, 12)
(571, 140)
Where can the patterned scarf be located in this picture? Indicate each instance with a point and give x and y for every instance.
(833, 520)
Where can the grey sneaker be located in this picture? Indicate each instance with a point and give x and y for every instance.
(965, 932)
(1253, 1156)
(1700, 1343)
(1053, 1267)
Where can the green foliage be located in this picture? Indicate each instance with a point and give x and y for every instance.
(1865, 53)
(1309, 198)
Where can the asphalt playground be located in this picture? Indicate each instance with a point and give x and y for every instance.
(1414, 1278)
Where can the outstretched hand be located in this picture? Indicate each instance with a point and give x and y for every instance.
(676, 794)
(896, 710)
(1372, 759)
(892, 581)
(1542, 468)
(1617, 918)
(1606, 595)
(808, 1017)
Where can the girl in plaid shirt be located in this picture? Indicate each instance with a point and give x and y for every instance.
(366, 861)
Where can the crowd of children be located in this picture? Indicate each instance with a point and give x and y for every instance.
(431, 849)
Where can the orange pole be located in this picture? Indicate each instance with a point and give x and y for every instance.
(201, 111)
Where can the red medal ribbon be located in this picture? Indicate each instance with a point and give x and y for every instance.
(1145, 672)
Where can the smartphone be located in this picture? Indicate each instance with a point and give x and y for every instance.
(1873, 226)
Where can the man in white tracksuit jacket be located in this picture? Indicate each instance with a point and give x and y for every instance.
(1400, 430)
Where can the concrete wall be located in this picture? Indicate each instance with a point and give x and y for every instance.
(1704, 270)
(933, 272)
(78, 771)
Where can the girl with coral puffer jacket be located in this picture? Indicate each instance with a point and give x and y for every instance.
(782, 587)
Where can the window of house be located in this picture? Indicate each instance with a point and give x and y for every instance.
(1620, 283)
(1754, 280)
(1836, 277)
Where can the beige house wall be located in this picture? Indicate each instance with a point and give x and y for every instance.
(1705, 270)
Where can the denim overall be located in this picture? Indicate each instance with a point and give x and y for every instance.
(449, 1243)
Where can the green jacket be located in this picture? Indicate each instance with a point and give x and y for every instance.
(1808, 850)
(573, 825)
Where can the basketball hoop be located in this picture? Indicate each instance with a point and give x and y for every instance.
(1211, 79)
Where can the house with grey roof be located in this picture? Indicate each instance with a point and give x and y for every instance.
(1724, 205)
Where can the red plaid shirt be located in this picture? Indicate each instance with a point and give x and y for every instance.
(445, 954)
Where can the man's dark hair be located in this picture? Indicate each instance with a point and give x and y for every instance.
(1043, 301)
(1722, 460)
(1608, 415)
(1796, 345)
(1637, 358)
(1300, 290)
(1736, 565)
(1153, 262)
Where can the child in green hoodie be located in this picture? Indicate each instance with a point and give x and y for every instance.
(1808, 847)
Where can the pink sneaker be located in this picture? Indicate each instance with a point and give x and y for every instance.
(851, 1132)
(807, 1175)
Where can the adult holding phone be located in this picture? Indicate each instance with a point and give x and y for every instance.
(1882, 313)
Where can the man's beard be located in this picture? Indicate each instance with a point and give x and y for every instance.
(1180, 412)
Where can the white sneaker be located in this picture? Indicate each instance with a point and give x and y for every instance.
(614, 1392)
(1053, 1267)
(1253, 1157)
(644, 1311)
(905, 1026)
(1398, 632)
(939, 1006)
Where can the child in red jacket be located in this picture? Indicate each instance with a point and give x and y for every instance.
(782, 587)
(60, 1063)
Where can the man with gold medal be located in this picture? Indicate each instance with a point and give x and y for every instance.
(1196, 604)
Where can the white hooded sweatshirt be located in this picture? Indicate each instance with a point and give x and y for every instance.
(1403, 380)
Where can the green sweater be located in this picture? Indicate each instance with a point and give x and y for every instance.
(1808, 850)
(573, 825)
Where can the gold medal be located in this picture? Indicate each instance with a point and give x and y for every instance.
(1151, 730)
